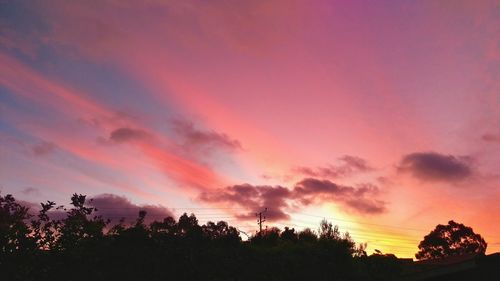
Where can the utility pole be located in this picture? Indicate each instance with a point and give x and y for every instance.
(261, 219)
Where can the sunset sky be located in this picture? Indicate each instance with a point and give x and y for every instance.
(381, 116)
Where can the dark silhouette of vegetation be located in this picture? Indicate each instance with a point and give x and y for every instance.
(449, 240)
(83, 246)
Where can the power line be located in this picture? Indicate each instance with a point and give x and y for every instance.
(374, 224)
(365, 223)
(354, 231)
(377, 242)
(373, 239)
(303, 214)
(366, 236)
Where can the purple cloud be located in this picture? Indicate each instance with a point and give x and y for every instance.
(193, 137)
(254, 198)
(278, 199)
(359, 199)
(432, 166)
(115, 207)
(109, 206)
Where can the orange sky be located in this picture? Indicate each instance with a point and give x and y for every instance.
(383, 118)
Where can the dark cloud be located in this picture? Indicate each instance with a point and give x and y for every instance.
(126, 134)
(193, 137)
(34, 208)
(431, 166)
(253, 198)
(348, 165)
(359, 199)
(109, 206)
(115, 207)
(311, 186)
(279, 199)
(43, 148)
(491, 138)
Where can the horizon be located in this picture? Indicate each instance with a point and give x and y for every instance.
(382, 118)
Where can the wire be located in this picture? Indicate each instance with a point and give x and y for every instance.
(365, 223)
(354, 231)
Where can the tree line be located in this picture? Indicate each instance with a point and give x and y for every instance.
(84, 246)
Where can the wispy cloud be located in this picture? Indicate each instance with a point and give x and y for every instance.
(194, 138)
(349, 165)
(128, 134)
(494, 138)
(43, 148)
(30, 191)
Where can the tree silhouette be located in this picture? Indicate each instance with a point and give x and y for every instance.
(289, 234)
(327, 231)
(78, 225)
(307, 235)
(448, 240)
(220, 231)
(13, 229)
(75, 244)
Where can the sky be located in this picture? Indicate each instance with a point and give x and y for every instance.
(382, 117)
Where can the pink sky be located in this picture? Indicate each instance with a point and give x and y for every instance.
(383, 117)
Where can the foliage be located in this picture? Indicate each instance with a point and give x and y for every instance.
(448, 240)
(75, 244)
